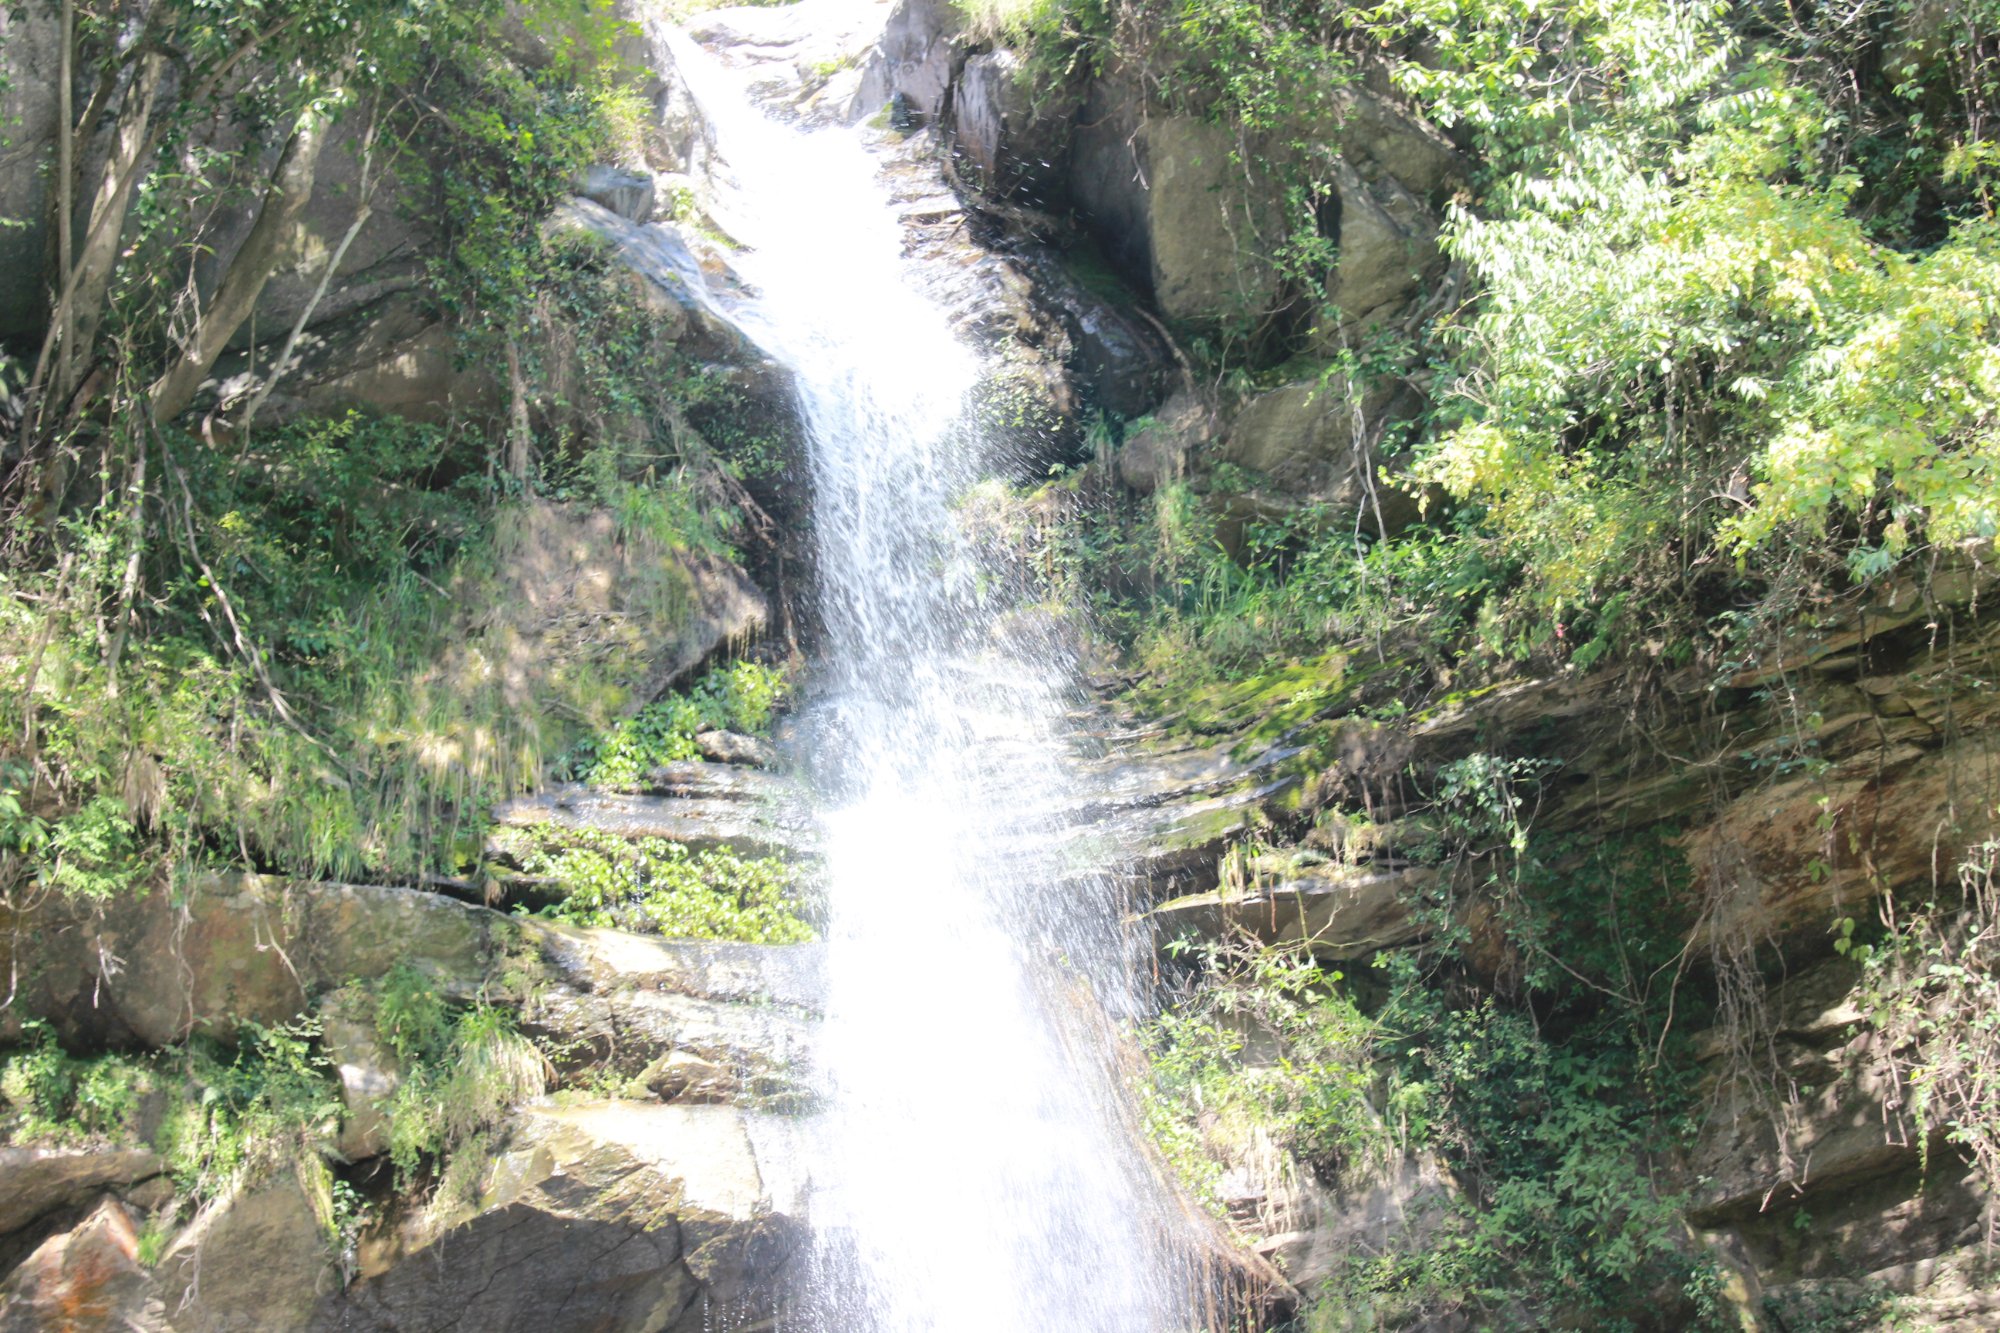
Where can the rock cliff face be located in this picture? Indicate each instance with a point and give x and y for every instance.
(1077, 237)
(1802, 1114)
(681, 1211)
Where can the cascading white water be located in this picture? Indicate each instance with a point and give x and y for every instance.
(975, 1170)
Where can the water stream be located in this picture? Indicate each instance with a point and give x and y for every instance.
(976, 1168)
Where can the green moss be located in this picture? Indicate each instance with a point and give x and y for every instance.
(741, 697)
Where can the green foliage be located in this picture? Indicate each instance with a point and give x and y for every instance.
(497, 144)
(1552, 1094)
(1729, 363)
(1527, 1046)
(1838, 1306)
(411, 1017)
(1931, 989)
(742, 696)
(239, 1116)
(91, 853)
(54, 1097)
(1553, 1135)
(662, 888)
(458, 1073)
(620, 402)
(306, 519)
(1269, 1042)
(314, 683)
(1733, 329)
(221, 1118)
(1159, 578)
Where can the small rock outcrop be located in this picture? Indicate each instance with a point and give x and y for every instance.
(677, 1218)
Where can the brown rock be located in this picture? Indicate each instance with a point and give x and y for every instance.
(84, 1280)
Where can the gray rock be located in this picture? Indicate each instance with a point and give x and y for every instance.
(1159, 449)
(631, 1028)
(683, 1076)
(664, 256)
(1117, 360)
(629, 194)
(697, 822)
(259, 1262)
(789, 975)
(35, 1181)
(1389, 139)
(369, 1075)
(1173, 210)
(1161, 816)
(1301, 438)
(1341, 912)
(92, 1270)
(1298, 443)
(1387, 246)
(730, 747)
(723, 781)
(1018, 148)
(619, 1214)
(922, 49)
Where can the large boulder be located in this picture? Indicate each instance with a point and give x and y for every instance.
(1016, 144)
(604, 1215)
(586, 614)
(1339, 912)
(83, 1280)
(259, 1261)
(1383, 137)
(1315, 442)
(1116, 359)
(243, 948)
(387, 356)
(232, 949)
(1161, 448)
(919, 55)
(1175, 210)
(35, 1181)
(1387, 246)
(1301, 437)
(627, 193)
(1192, 212)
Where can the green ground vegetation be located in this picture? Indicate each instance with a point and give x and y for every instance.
(658, 887)
(742, 697)
(1531, 1051)
(265, 647)
(227, 1115)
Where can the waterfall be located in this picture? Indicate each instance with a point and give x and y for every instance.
(975, 1169)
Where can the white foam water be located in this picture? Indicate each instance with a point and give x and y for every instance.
(976, 1167)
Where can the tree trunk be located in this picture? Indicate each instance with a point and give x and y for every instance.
(80, 302)
(66, 184)
(520, 438)
(364, 209)
(284, 199)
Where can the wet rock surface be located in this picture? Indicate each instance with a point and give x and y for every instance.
(748, 827)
